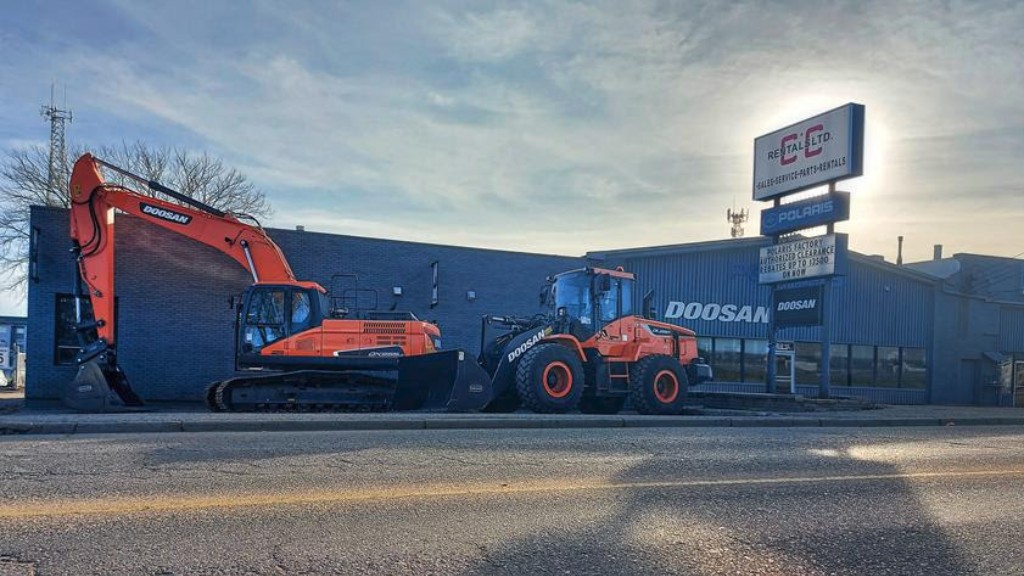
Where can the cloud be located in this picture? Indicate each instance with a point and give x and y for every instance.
(486, 37)
(562, 127)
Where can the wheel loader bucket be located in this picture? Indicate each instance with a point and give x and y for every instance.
(449, 380)
(100, 388)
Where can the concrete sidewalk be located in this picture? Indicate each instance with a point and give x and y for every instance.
(196, 419)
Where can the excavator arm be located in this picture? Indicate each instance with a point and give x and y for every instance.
(93, 202)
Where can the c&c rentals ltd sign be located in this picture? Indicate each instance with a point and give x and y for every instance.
(825, 148)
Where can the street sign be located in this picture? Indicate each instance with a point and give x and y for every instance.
(797, 306)
(802, 259)
(817, 211)
(825, 148)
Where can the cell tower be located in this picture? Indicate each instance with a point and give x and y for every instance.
(737, 219)
(57, 176)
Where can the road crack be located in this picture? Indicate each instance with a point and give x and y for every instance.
(11, 565)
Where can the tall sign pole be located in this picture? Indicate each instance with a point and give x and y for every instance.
(820, 150)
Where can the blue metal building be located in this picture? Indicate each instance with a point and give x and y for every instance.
(914, 334)
(932, 332)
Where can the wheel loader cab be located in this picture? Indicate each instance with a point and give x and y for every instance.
(588, 299)
(271, 312)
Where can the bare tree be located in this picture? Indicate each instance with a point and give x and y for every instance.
(24, 182)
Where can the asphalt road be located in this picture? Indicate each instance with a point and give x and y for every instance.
(927, 501)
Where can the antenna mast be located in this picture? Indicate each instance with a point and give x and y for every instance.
(57, 175)
(737, 219)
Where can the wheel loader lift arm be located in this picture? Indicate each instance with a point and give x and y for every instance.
(93, 202)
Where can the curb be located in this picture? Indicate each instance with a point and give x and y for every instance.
(8, 427)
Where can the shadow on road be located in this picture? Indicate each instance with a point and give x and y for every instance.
(793, 526)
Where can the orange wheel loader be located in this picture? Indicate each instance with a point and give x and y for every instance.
(590, 351)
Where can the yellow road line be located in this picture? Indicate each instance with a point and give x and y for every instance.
(164, 504)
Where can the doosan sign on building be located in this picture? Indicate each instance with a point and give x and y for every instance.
(713, 311)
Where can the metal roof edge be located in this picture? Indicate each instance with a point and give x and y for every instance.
(685, 248)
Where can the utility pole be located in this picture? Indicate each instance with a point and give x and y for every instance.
(57, 176)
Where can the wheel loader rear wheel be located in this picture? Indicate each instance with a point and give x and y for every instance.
(549, 379)
(657, 385)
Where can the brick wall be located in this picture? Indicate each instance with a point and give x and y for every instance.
(175, 326)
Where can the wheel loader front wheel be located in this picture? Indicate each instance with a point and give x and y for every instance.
(549, 379)
(657, 385)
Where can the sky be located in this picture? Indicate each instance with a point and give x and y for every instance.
(545, 126)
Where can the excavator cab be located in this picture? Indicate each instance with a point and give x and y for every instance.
(273, 312)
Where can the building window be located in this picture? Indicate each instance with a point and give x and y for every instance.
(755, 360)
(914, 372)
(726, 360)
(65, 340)
(265, 319)
(705, 348)
(888, 373)
(808, 362)
(862, 365)
(839, 365)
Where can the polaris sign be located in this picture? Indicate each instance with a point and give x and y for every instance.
(819, 211)
(797, 306)
(825, 148)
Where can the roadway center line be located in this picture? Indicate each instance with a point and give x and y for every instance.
(161, 504)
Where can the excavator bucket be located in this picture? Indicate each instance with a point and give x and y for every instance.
(101, 387)
(449, 380)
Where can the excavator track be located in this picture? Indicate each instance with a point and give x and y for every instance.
(302, 391)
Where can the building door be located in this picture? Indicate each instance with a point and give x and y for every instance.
(785, 368)
(970, 383)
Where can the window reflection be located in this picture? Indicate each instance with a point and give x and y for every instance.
(915, 368)
(727, 359)
(838, 366)
(755, 360)
(862, 365)
(888, 373)
(808, 363)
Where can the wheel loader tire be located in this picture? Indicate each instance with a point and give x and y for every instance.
(657, 385)
(601, 404)
(549, 379)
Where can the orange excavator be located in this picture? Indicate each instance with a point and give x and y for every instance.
(306, 353)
